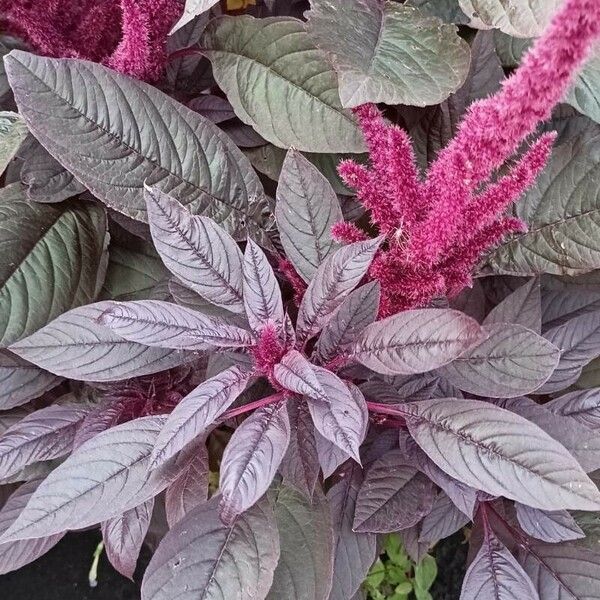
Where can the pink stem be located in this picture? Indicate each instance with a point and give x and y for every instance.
(398, 422)
(516, 535)
(240, 410)
(387, 409)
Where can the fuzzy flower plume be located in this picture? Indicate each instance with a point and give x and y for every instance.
(286, 268)
(127, 35)
(438, 227)
(125, 401)
(268, 351)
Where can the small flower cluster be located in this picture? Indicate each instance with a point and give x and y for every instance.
(438, 227)
(148, 395)
(126, 35)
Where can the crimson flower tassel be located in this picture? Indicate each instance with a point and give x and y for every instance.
(129, 36)
(438, 228)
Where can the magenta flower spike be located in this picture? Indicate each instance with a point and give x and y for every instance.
(127, 35)
(439, 227)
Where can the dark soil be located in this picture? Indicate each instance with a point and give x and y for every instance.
(451, 557)
(62, 574)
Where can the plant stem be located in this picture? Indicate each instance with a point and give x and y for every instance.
(93, 574)
(515, 534)
(389, 410)
(240, 410)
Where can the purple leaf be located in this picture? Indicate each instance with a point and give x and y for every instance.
(215, 108)
(414, 388)
(463, 496)
(297, 375)
(289, 332)
(243, 135)
(305, 567)
(376, 390)
(252, 458)
(8, 418)
(501, 453)
(580, 441)
(306, 209)
(378, 54)
(167, 325)
(495, 574)
(101, 417)
(512, 361)
(14, 555)
(135, 271)
(189, 74)
(549, 526)
(196, 250)
(105, 477)
(43, 435)
(416, 341)
(442, 521)
(219, 361)
(380, 440)
(197, 412)
(75, 345)
(415, 549)
(341, 416)
(193, 9)
(21, 381)
(522, 307)
(191, 487)
(203, 558)
(311, 118)
(354, 552)
(300, 465)
(393, 496)
(190, 299)
(583, 406)
(444, 389)
(93, 137)
(562, 305)
(471, 301)
(562, 571)
(335, 278)
(357, 311)
(262, 296)
(579, 342)
(329, 454)
(124, 535)
(421, 387)
(46, 179)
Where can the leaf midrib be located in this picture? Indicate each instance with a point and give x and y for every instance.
(121, 141)
(196, 252)
(281, 77)
(481, 446)
(92, 489)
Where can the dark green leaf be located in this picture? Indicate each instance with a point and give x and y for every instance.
(53, 259)
(563, 215)
(305, 566)
(12, 132)
(385, 52)
(280, 83)
(521, 18)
